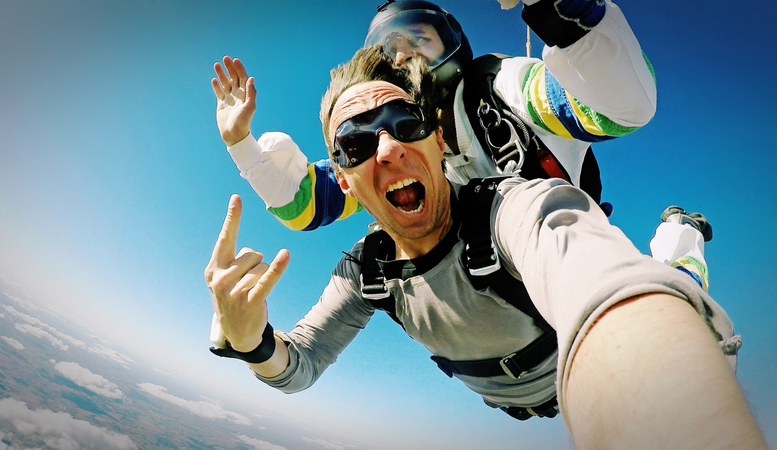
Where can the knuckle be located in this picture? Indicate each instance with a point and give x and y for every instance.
(219, 285)
(208, 273)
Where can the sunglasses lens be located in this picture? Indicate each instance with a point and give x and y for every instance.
(356, 139)
(408, 129)
(356, 147)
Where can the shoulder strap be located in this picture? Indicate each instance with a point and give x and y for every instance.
(481, 257)
(486, 111)
(374, 288)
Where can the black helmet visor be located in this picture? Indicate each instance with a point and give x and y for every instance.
(416, 33)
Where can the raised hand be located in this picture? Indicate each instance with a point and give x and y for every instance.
(236, 96)
(240, 284)
(508, 4)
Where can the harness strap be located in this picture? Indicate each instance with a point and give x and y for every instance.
(548, 409)
(481, 257)
(513, 365)
(373, 282)
(480, 97)
(539, 161)
(485, 271)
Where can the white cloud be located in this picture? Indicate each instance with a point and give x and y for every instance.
(85, 378)
(207, 409)
(53, 335)
(44, 326)
(43, 334)
(13, 342)
(57, 430)
(326, 444)
(20, 301)
(111, 354)
(257, 444)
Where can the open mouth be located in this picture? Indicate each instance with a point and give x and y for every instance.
(407, 195)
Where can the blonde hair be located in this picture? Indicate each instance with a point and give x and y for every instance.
(373, 64)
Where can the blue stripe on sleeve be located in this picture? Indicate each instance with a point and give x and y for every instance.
(329, 199)
(559, 104)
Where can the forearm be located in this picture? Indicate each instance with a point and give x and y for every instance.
(302, 196)
(273, 166)
(277, 362)
(649, 374)
(607, 71)
(319, 337)
(599, 86)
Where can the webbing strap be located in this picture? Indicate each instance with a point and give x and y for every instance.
(485, 271)
(513, 365)
(479, 87)
(539, 161)
(373, 282)
(481, 254)
(548, 409)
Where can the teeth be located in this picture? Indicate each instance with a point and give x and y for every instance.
(401, 184)
(420, 207)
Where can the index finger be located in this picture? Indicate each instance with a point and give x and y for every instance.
(224, 251)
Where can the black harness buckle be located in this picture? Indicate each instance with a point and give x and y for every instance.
(482, 258)
(511, 366)
(375, 288)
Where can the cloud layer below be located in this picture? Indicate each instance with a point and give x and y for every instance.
(87, 379)
(58, 430)
(206, 409)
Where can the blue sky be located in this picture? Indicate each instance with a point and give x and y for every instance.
(115, 182)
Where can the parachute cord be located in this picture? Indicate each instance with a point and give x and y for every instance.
(528, 41)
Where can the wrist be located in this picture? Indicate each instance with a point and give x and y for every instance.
(260, 354)
(233, 138)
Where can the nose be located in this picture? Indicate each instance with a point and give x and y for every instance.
(390, 150)
(402, 57)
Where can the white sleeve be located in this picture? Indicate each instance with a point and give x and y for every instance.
(274, 166)
(606, 71)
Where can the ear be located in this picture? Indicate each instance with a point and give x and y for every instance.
(440, 140)
(343, 183)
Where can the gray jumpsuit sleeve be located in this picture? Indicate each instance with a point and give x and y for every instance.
(325, 331)
(575, 264)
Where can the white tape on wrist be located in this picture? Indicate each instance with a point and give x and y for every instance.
(217, 334)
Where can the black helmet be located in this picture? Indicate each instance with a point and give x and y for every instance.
(409, 24)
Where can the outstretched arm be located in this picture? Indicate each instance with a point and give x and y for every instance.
(239, 285)
(649, 374)
(302, 195)
(593, 83)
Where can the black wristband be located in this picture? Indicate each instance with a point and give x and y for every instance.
(260, 354)
(562, 29)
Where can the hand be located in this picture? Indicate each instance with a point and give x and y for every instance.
(240, 284)
(236, 96)
(508, 4)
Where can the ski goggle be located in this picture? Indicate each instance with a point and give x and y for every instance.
(356, 139)
(406, 30)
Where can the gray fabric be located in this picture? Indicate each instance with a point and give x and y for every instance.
(553, 236)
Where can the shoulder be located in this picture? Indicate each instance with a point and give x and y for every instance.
(539, 196)
(349, 266)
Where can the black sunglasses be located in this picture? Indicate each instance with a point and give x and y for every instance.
(356, 139)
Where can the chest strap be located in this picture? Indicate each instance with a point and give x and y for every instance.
(513, 365)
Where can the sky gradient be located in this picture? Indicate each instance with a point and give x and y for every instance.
(115, 183)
